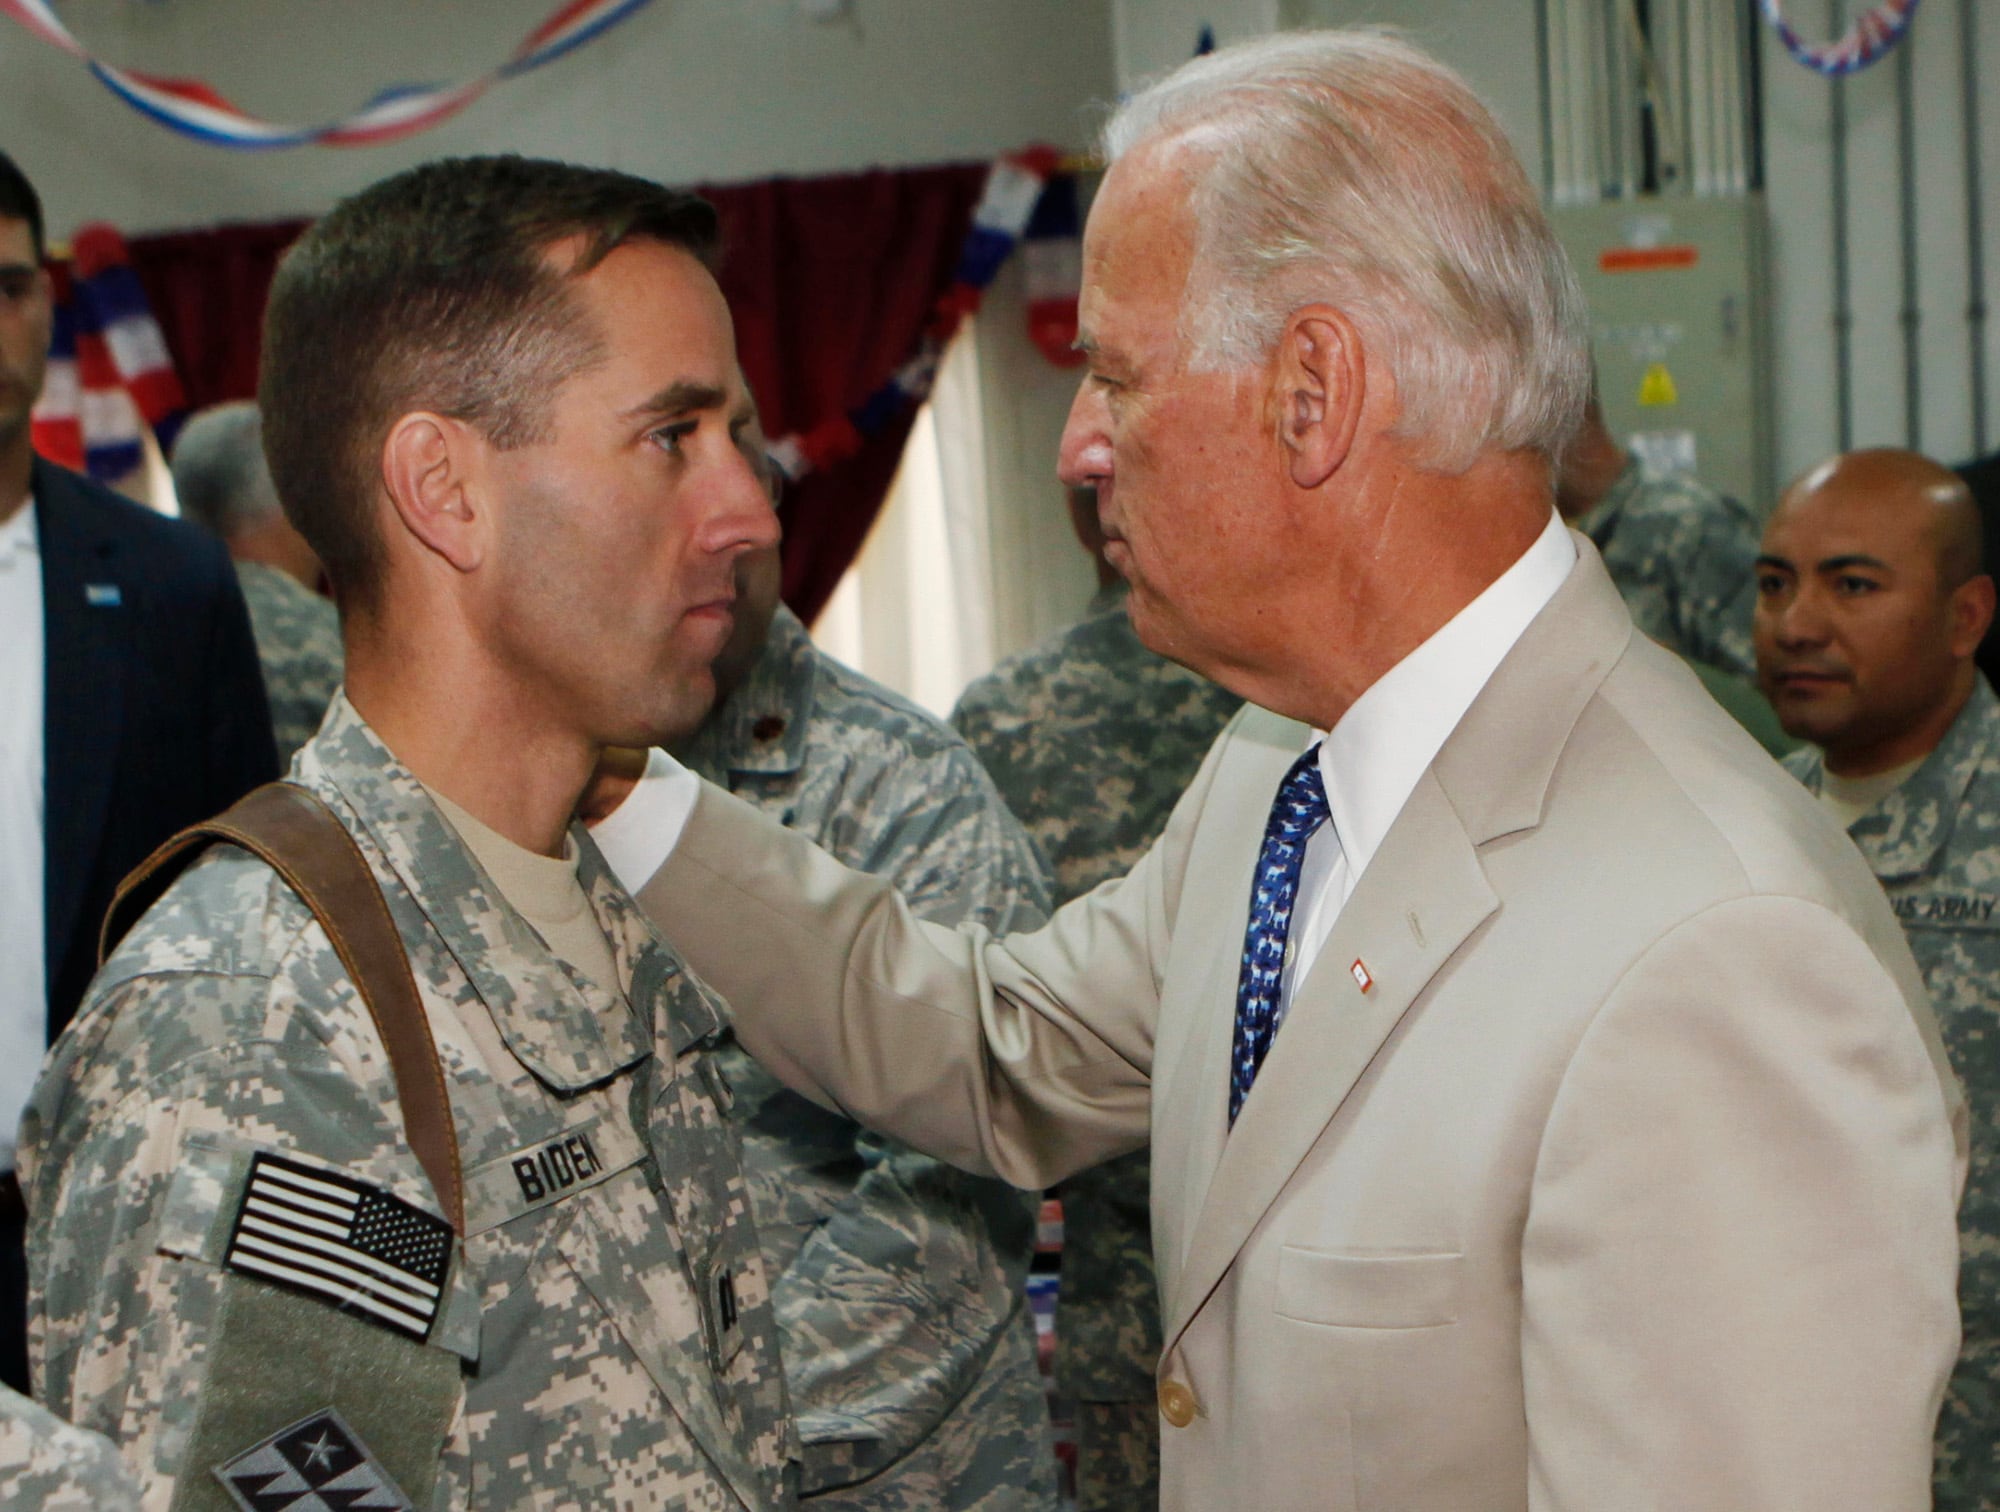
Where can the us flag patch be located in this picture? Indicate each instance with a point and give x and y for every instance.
(343, 1241)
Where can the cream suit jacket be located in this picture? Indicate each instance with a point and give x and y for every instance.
(1628, 1182)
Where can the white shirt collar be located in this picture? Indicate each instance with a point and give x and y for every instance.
(18, 535)
(1372, 758)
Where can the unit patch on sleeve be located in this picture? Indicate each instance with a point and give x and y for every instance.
(341, 1240)
(316, 1465)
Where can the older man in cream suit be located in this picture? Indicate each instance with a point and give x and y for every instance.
(1545, 1111)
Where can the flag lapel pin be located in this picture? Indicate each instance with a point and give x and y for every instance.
(1360, 974)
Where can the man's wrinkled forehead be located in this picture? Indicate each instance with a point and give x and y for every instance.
(1139, 246)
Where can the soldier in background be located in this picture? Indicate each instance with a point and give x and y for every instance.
(50, 1466)
(1680, 553)
(1872, 600)
(223, 482)
(899, 1282)
(502, 402)
(1091, 738)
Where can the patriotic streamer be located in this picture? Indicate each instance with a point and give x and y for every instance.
(109, 377)
(193, 109)
(1013, 189)
(1870, 39)
(55, 429)
(1052, 260)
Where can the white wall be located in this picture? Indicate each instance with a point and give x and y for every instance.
(1155, 35)
(1798, 148)
(1491, 42)
(686, 90)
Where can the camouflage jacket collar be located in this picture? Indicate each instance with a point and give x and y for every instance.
(1600, 522)
(1902, 835)
(762, 726)
(565, 1029)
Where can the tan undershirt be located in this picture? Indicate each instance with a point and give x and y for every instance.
(1848, 798)
(545, 891)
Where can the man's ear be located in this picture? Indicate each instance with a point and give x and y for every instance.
(1321, 381)
(428, 465)
(1971, 614)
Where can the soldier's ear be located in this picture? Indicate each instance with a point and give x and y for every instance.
(1971, 614)
(428, 468)
(1319, 379)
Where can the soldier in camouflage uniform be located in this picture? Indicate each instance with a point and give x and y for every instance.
(1091, 738)
(238, 1269)
(900, 1283)
(222, 482)
(1681, 554)
(1872, 603)
(298, 647)
(49, 1466)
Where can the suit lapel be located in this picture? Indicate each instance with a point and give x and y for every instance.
(86, 619)
(1415, 905)
(1422, 896)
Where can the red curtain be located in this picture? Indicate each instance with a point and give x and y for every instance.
(207, 290)
(831, 281)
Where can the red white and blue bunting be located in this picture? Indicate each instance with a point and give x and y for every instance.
(110, 378)
(110, 375)
(195, 110)
(1870, 39)
(1013, 189)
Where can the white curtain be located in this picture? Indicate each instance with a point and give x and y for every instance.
(916, 610)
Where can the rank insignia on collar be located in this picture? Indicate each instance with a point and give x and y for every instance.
(315, 1465)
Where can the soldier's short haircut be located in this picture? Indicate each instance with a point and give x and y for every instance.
(221, 479)
(18, 201)
(434, 290)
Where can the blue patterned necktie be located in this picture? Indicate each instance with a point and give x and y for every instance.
(1298, 810)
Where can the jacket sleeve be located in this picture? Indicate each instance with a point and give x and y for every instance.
(1740, 1257)
(1027, 1057)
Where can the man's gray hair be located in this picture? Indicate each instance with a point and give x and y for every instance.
(1350, 168)
(220, 476)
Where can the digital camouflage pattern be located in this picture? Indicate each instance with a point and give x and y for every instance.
(900, 1282)
(47, 1465)
(1091, 739)
(298, 646)
(1935, 845)
(606, 1336)
(1684, 559)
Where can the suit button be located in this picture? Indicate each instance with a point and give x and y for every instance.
(1177, 1404)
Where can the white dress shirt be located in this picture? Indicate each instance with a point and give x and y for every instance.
(1370, 761)
(24, 1000)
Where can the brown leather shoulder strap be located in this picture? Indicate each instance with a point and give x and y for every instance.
(299, 838)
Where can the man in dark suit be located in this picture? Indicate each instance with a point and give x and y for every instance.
(130, 706)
